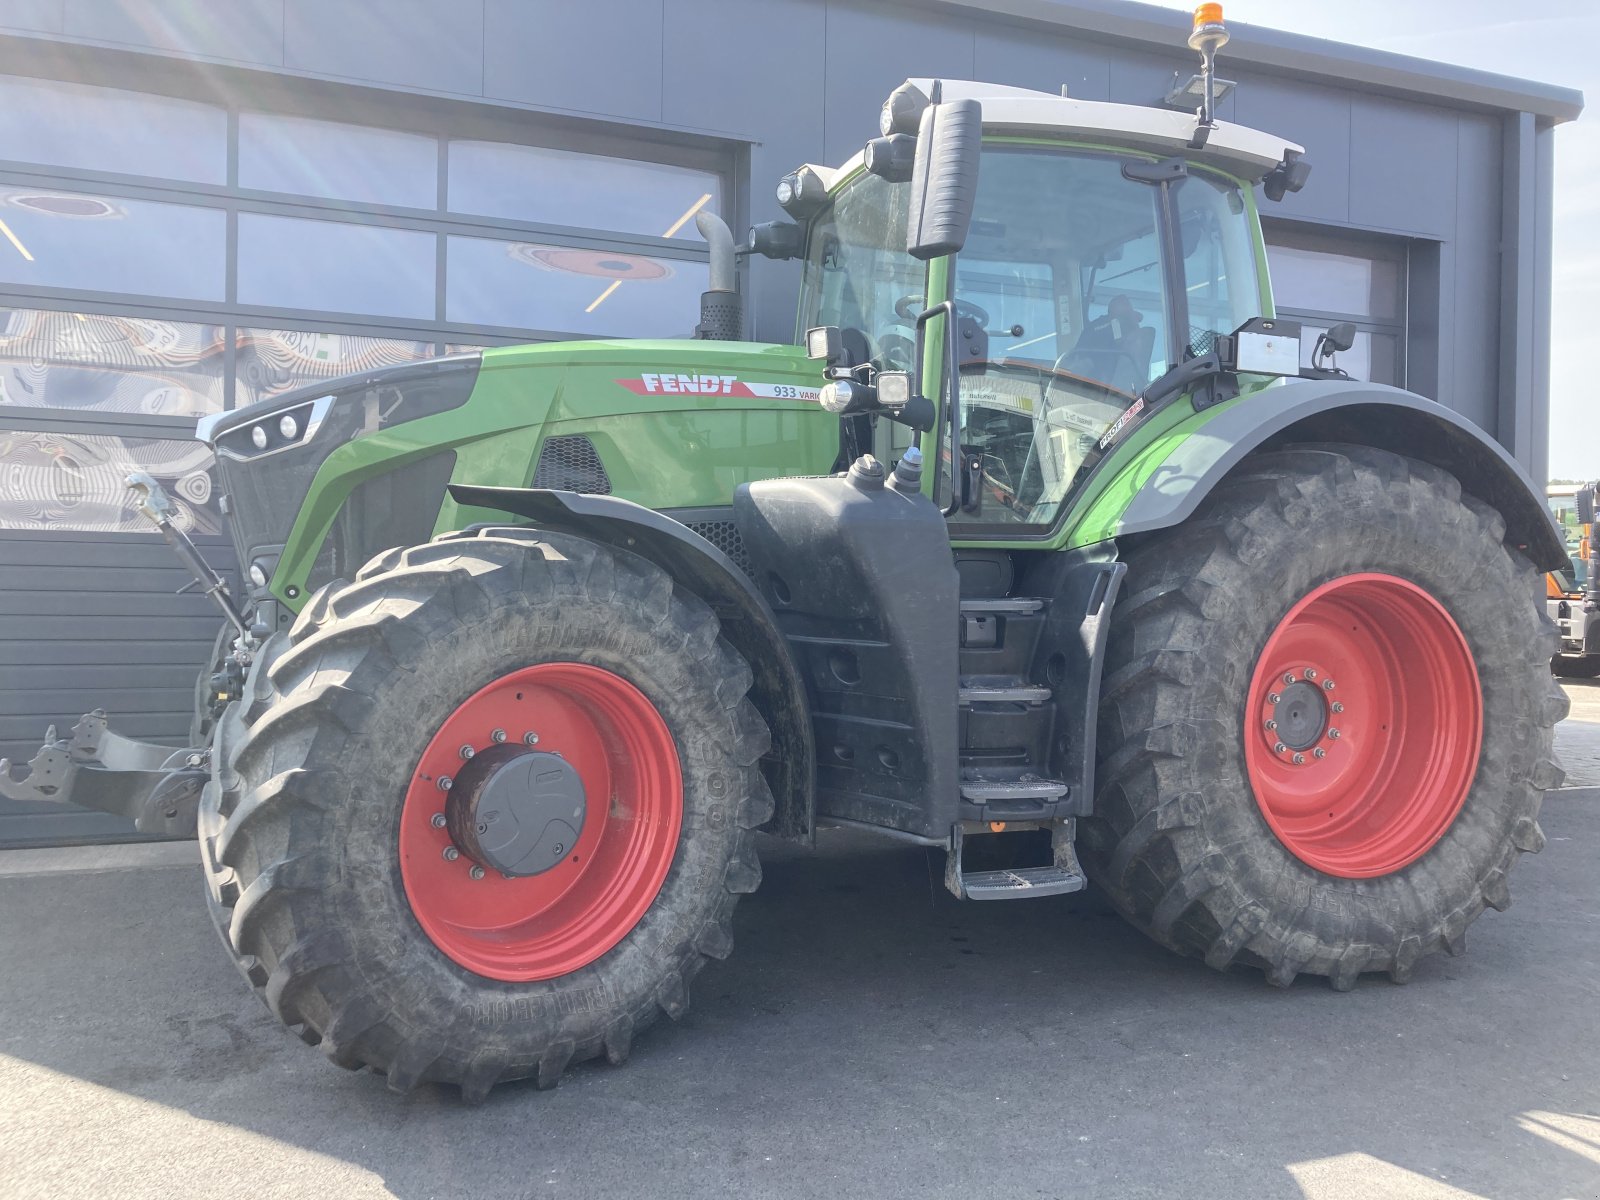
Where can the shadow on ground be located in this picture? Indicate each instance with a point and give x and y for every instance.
(869, 1037)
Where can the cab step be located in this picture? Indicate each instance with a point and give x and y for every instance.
(1009, 794)
(1011, 606)
(1016, 883)
(1001, 689)
(1021, 883)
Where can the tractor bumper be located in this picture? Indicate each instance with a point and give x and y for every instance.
(156, 787)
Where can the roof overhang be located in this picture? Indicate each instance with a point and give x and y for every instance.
(1020, 112)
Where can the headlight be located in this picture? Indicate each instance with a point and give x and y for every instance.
(287, 427)
(259, 573)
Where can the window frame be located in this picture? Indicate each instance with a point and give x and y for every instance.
(442, 120)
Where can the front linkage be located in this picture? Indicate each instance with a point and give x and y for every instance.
(157, 787)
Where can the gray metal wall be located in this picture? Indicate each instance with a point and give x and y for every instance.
(1455, 162)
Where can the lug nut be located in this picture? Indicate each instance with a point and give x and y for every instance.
(477, 872)
(1298, 759)
(1334, 734)
(1327, 685)
(451, 854)
(438, 820)
(531, 739)
(1319, 752)
(1289, 677)
(1272, 697)
(445, 783)
(467, 752)
(499, 735)
(560, 849)
(1310, 674)
(1280, 748)
(1271, 724)
(1338, 706)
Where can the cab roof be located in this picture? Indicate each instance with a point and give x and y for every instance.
(1022, 112)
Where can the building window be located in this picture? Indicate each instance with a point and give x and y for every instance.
(55, 481)
(106, 243)
(163, 258)
(308, 157)
(107, 129)
(531, 286)
(273, 361)
(1321, 280)
(545, 186)
(336, 266)
(91, 362)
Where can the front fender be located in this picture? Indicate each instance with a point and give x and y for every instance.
(1369, 414)
(748, 623)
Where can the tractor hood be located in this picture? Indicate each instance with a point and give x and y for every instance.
(318, 480)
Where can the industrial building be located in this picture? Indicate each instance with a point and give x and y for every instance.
(206, 205)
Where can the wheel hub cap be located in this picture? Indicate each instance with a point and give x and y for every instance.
(1300, 715)
(515, 810)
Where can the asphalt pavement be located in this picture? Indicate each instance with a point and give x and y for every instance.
(869, 1037)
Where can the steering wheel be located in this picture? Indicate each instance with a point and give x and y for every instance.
(908, 308)
(897, 351)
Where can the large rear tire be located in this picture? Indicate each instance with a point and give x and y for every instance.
(385, 931)
(1319, 587)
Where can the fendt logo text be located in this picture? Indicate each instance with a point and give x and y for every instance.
(694, 385)
(662, 383)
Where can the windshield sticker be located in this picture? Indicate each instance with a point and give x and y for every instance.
(662, 383)
(1121, 423)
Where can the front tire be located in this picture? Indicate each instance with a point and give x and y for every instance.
(328, 830)
(1235, 841)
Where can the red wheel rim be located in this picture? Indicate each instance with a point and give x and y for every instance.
(1366, 783)
(551, 924)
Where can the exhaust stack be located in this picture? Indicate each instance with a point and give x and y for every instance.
(721, 308)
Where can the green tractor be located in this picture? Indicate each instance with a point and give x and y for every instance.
(1051, 548)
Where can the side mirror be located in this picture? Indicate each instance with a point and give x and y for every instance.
(1584, 501)
(944, 178)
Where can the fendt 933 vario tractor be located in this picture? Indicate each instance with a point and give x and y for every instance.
(1045, 534)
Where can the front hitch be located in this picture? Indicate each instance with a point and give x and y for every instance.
(156, 787)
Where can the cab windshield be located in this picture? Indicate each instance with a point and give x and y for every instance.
(1068, 301)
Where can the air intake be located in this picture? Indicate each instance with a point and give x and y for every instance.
(569, 464)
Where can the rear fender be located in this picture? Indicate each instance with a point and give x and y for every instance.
(1365, 414)
(747, 620)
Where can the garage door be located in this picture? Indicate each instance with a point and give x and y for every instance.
(1321, 280)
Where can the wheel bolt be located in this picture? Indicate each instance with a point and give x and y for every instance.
(1271, 724)
(498, 735)
(1289, 677)
(531, 739)
(438, 820)
(1272, 697)
(1310, 674)
(1338, 706)
(445, 783)
(1280, 748)
(451, 854)
(477, 872)
(1334, 734)
(467, 752)
(1327, 685)
(1298, 759)
(1319, 752)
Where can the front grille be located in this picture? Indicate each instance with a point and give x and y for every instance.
(569, 463)
(724, 535)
